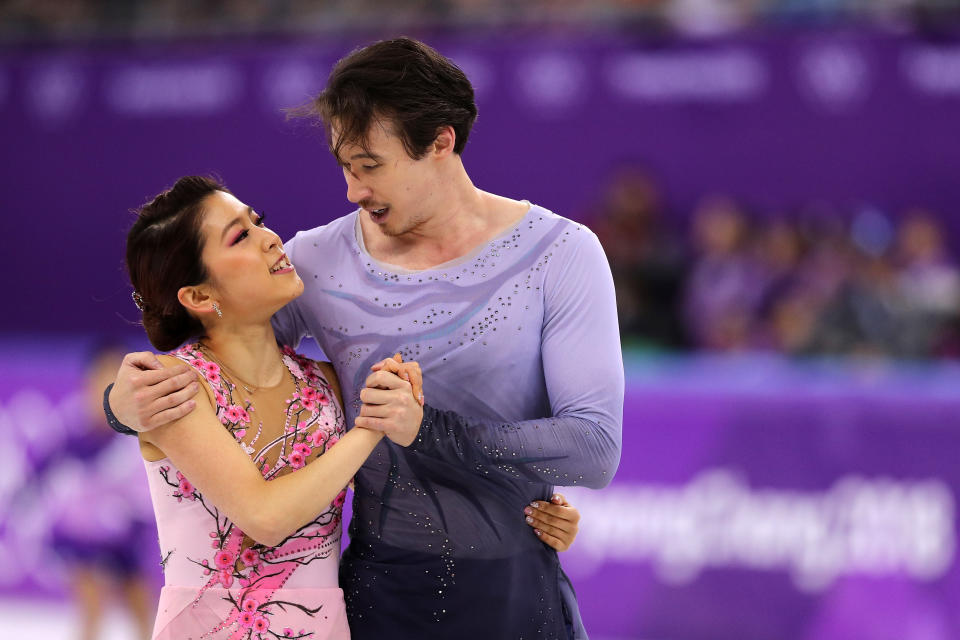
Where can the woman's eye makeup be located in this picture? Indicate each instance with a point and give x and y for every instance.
(258, 219)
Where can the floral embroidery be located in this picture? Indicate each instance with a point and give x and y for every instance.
(250, 557)
(184, 489)
(297, 460)
(302, 449)
(212, 371)
(318, 437)
(232, 414)
(313, 425)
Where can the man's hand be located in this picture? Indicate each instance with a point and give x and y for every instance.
(555, 522)
(145, 395)
(392, 400)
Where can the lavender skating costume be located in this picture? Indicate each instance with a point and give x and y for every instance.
(520, 352)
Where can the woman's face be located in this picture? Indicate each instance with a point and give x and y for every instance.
(250, 275)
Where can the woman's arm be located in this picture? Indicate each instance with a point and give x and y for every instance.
(268, 512)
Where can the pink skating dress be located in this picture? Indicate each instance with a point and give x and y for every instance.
(218, 583)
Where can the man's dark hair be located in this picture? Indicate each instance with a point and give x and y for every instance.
(401, 80)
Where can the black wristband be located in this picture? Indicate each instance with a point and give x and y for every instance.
(115, 424)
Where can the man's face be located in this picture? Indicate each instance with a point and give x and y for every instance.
(395, 191)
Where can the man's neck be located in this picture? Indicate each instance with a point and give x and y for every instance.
(466, 219)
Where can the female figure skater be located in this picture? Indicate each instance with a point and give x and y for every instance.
(249, 548)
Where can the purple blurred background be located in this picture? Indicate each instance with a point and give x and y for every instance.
(774, 183)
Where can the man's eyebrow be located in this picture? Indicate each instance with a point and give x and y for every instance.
(235, 221)
(367, 155)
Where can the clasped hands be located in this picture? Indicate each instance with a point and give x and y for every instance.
(393, 405)
(393, 400)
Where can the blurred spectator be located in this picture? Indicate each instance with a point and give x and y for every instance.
(646, 258)
(865, 317)
(929, 282)
(97, 488)
(725, 286)
(789, 301)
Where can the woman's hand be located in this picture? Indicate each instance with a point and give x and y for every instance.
(409, 371)
(392, 400)
(555, 522)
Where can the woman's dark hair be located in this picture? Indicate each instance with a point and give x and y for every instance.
(164, 249)
(403, 80)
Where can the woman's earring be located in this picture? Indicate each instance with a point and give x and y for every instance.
(217, 309)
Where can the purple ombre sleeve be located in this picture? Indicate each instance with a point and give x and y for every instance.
(579, 444)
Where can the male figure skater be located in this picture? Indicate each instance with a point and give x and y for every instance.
(510, 311)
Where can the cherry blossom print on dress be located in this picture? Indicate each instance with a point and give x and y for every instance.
(247, 576)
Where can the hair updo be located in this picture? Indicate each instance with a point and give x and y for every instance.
(164, 253)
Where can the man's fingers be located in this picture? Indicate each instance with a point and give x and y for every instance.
(169, 415)
(146, 397)
(142, 360)
(376, 411)
(173, 384)
(374, 424)
(151, 377)
(377, 396)
(175, 399)
(386, 380)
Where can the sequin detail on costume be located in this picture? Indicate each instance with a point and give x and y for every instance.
(520, 336)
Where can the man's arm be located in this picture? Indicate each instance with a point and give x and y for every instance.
(145, 395)
(583, 367)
